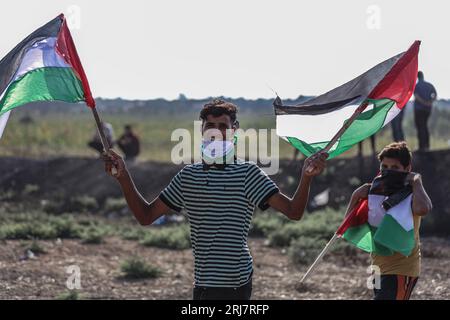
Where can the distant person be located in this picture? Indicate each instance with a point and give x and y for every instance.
(397, 127)
(129, 144)
(424, 96)
(96, 142)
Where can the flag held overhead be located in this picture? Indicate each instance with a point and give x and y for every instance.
(44, 67)
(354, 110)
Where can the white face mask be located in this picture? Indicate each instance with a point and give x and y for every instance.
(217, 151)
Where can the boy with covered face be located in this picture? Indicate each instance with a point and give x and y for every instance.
(399, 273)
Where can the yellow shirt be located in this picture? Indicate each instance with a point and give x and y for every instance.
(398, 264)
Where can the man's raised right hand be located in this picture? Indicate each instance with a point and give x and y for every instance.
(113, 160)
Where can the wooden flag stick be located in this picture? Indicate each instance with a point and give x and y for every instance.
(339, 232)
(319, 257)
(105, 142)
(346, 125)
(327, 148)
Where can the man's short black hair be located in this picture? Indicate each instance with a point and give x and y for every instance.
(218, 107)
(397, 150)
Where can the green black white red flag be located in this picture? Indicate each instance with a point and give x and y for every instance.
(383, 223)
(387, 87)
(43, 67)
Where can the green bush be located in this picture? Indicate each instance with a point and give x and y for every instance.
(283, 237)
(304, 250)
(83, 204)
(29, 226)
(69, 295)
(30, 189)
(320, 225)
(92, 236)
(6, 195)
(173, 237)
(114, 204)
(27, 231)
(66, 227)
(135, 268)
(132, 233)
(265, 223)
(53, 206)
(60, 205)
(36, 248)
(74, 204)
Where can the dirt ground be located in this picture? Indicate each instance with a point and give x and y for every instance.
(275, 277)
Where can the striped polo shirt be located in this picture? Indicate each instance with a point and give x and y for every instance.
(219, 204)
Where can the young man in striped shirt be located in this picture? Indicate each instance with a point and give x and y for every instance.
(219, 196)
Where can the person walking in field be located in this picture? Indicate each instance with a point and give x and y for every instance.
(398, 273)
(129, 143)
(219, 196)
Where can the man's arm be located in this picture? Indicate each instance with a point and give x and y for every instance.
(294, 207)
(144, 211)
(421, 202)
(359, 194)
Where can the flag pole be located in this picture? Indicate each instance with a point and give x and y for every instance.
(319, 257)
(335, 237)
(344, 127)
(105, 142)
(98, 122)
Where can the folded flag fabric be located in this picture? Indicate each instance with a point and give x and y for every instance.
(386, 88)
(43, 67)
(383, 223)
(3, 120)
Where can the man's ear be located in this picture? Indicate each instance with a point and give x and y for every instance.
(202, 127)
(236, 125)
(409, 168)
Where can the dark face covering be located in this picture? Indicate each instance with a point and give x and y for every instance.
(393, 184)
(389, 182)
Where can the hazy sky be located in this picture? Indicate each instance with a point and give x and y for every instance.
(160, 48)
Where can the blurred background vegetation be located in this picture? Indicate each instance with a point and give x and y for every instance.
(60, 129)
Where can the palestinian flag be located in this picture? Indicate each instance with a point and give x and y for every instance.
(43, 67)
(386, 88)
(374, 229)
